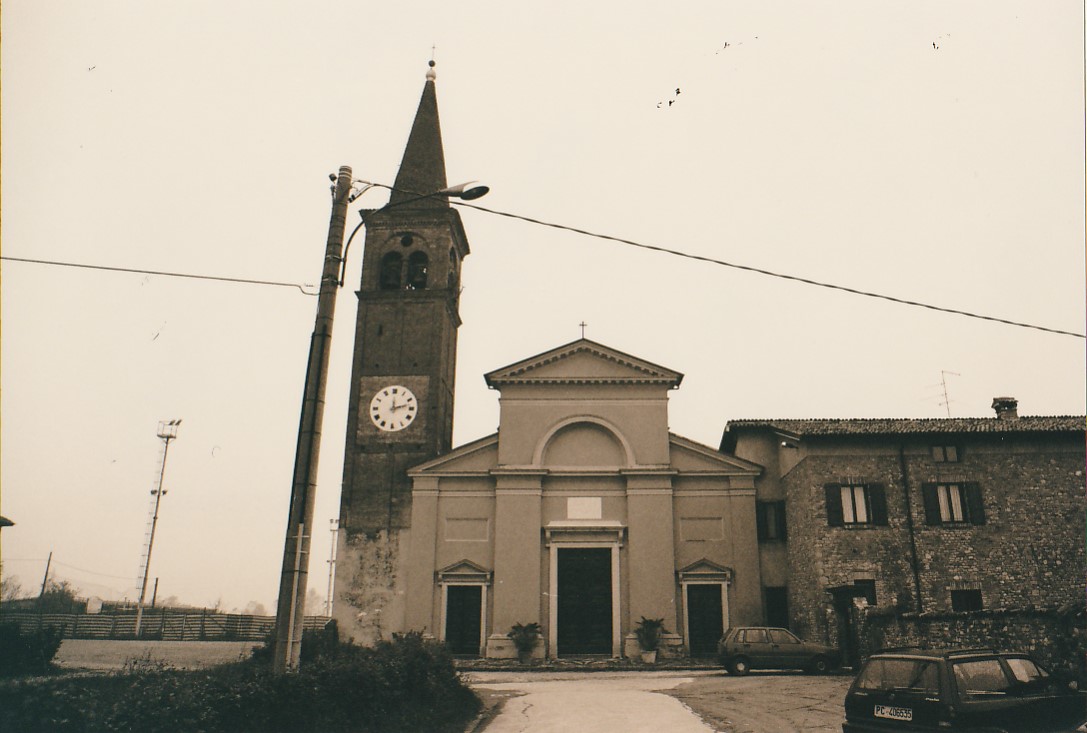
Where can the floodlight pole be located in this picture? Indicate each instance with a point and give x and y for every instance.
(334, 528)
(292, 585)
(167, 431)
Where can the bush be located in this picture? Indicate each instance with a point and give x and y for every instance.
(403, 685)
(649, 631)
(525, 636)
(27, 653)
(316, 644)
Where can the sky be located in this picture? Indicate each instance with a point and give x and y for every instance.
(928, 151)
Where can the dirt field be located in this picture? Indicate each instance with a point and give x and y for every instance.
(115, 655)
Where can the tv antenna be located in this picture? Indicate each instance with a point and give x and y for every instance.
(943, 383)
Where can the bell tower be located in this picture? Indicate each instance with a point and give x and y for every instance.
(401, 399)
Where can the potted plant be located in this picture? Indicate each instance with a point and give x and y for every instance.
(649, 631)
(525, 638)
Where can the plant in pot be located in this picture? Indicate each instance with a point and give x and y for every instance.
(649, 632)
(525, 638)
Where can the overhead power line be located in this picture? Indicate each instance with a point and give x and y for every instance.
(609, 238)
(770, 273)
(138, 271)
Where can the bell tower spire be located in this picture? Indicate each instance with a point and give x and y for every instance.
(422, 170)
(400, 412)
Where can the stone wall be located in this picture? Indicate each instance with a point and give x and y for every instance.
(1054, 636)
(1029, 553)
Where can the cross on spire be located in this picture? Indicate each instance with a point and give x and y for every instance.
(583, 324)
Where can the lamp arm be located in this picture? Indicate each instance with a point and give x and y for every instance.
(343, 260)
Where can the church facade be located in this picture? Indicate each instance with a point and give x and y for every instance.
(583, 513)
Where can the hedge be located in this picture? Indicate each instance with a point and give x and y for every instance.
(399, 686)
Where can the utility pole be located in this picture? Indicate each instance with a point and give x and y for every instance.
(45, 579)
(167, 431)
(292, 585)
(334, 527)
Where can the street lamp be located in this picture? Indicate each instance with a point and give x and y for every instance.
(292, 584)
(465, 191)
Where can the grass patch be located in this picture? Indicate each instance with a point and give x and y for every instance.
(398, 686)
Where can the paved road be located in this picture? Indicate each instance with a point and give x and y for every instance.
(597, 702)
(663, 702)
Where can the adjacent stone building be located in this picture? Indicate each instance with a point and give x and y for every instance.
(932, 516)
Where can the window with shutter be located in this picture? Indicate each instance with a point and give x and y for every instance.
(856, 504)
(953, 503)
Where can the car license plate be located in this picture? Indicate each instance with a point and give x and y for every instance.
(885, 711)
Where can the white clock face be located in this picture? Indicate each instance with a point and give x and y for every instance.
(393, 408)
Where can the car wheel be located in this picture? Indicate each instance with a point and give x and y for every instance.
(820, 665)
(739, 666)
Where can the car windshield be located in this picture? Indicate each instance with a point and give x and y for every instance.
(982, 678)
(899, 674)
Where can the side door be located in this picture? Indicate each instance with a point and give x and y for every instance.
(755, 645)
(787, 650)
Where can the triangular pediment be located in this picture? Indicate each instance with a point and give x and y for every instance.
(583, 362)
(704, 569)
(464, 571)
(687, 456)
(477, 457)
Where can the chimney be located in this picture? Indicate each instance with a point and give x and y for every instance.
(1006, 408)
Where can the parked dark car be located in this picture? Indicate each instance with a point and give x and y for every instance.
(765, 647)
(961, 690)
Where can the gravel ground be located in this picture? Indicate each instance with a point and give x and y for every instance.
(767, 702)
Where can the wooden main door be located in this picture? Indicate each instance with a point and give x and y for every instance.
(584, 601)
(463, 619)
(705, 618)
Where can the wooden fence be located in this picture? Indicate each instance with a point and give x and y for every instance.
(158, 623)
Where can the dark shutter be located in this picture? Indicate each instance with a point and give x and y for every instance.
(932, 503)
(835, 518)
(781, 520)
(974, 507)
(760, 520)
(877, 504)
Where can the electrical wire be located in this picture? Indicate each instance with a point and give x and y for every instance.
(164, 273)
(91, 572)
(72, 567)
(609, 238)
(770, 273)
